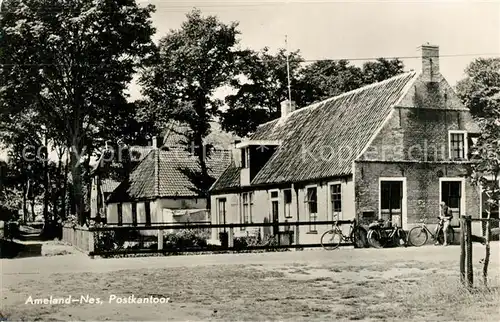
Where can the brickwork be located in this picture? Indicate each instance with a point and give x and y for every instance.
(414, 144)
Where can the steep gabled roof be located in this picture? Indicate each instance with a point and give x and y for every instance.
(162, 174)
(323, 139)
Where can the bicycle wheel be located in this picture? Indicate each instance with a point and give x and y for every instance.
(374, 238)
(399, 238)
(331, 239)
(451, 236)
(418, 236)
(358, 237)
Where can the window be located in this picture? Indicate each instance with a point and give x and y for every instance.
(245, 158)
(312, 207)
(147, 210)
(458, 146)
(391, 195)
(336, 201)
(287, 196)
(472, 140)
(247, 199)
(134, 214)
(120, 213)
(451, 194)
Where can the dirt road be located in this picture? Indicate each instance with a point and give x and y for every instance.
(363, 284)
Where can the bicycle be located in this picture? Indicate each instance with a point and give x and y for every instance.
(419, 235)
(380, 237)
(332, 238)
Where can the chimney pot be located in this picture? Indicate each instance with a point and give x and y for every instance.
(287, 107)
(155, 142)
(430, 62)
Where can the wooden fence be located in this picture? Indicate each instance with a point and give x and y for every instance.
(466, 239)
(101, 241)
(81, 238)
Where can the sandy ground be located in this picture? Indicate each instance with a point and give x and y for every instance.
(363, 284)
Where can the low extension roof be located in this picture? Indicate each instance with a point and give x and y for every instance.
(162, 174)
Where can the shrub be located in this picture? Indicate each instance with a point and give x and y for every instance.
(186, 238)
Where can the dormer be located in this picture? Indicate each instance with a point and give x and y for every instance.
(254, 155)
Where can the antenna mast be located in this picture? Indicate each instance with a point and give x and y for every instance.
(288, 71)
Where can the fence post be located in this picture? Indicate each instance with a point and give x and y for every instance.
(468, 240)
(462, 250)
(230, 242)
(91, 242)
(160, 239)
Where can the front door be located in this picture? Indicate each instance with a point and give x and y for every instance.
(275, 211)
(221, 213)
(391, 202)
(451, 194)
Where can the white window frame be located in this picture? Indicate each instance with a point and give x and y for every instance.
(466, 145)
(404, 202)
(218, 202)
(463, 196)
(330, 204)
(306, 204)
(249, 195)
(271, 199)
(245, 157)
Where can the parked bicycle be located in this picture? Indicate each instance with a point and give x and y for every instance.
(419, 235)
(380, 236)
(332, 238)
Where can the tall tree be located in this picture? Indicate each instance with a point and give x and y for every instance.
(381, 69)
(192, 63)
(71, 61)
(480, 92)
(482, 82)
(263, 84)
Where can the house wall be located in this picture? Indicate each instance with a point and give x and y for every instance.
(261, 210)
(156, 208)
(306, 236)
(232, 211)
(422, 186)
(417, 135)
(183, 203)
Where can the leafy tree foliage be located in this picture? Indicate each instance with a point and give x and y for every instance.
(482, 82)
(192, 63)
(70, 62)
(480, 92)
(263, 84)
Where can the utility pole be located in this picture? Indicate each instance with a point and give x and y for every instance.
(288, 71)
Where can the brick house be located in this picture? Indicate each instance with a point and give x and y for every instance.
(390, 150)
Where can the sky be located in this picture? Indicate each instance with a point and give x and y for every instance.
(352, 30)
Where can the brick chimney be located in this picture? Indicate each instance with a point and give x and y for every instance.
(430, 62)
(287, 107)
(155, 142)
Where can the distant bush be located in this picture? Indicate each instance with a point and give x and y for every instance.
(240, 243)
(186, 238)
